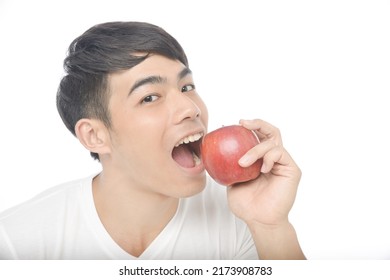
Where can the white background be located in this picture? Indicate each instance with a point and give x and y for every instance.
(318, 70)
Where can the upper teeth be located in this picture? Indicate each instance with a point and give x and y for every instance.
(191, 138)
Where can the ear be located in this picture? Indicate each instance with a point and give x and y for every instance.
(93, 135)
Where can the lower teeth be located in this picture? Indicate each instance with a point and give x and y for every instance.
(196, 159)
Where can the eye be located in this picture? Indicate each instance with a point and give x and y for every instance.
(149, 99)
(187, 88)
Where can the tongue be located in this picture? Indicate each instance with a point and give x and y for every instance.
(183, 156)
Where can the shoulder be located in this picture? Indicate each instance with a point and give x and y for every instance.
(53, 198)
(46, 210)
(32, 229)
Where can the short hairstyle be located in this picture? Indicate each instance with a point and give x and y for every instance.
(104, 49)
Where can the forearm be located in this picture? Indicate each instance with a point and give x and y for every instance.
(277, 242)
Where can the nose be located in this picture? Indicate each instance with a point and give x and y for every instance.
(184, 108)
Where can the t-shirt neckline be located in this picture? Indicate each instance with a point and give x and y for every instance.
(110, 246)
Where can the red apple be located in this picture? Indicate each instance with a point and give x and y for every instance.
(222, 148)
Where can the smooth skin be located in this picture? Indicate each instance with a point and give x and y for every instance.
(153, 106)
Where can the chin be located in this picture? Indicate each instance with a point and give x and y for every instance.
(192, 186)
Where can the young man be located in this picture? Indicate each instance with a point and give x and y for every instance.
(129, 97)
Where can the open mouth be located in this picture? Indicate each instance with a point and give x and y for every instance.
(187, 151)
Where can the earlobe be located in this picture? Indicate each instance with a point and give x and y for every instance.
(93, 135)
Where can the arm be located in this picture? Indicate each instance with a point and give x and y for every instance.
(264, 203)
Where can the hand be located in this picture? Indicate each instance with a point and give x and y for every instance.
(268, 199)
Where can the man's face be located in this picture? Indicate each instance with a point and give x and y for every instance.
(154, 109)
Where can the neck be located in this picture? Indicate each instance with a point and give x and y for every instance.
(132, 216)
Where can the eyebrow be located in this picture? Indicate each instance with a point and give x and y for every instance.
(186, 71)
(158, 79)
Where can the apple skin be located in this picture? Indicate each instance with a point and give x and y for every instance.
(221, 150)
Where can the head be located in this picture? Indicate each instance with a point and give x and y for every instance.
(129, 97)
(104, 49)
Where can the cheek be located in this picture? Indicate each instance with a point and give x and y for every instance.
(139, 152)
(204, 112)
(140, 135)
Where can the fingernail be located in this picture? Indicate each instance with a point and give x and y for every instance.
(263, 168)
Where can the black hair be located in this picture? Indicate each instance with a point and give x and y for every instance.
(104, 49)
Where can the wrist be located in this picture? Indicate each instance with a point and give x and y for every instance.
(271, 226)
(276, 241)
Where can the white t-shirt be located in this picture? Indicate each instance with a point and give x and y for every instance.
(62, 223)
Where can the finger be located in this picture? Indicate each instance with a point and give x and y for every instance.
(257, 152)
(277, 155)
(263, 130)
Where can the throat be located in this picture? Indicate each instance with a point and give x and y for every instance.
(136, 237)
(132, 218)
